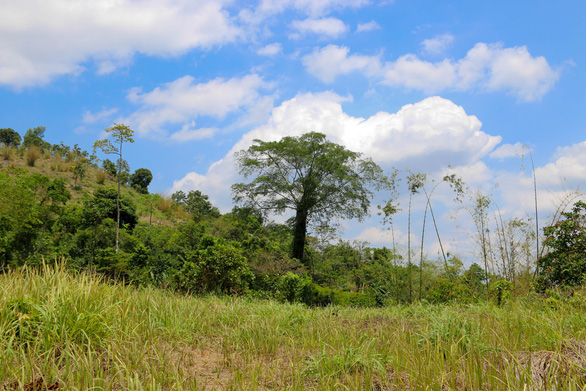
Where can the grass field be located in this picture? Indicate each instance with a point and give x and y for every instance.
(77, 332)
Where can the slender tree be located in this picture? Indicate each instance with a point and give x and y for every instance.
(119, 134)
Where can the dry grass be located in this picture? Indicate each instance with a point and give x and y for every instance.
(32, 155)
(101, 177)
(8, 153)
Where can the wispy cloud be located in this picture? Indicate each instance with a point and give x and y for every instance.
(369, 26)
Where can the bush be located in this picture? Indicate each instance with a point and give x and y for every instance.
(500, 291)
(101, 177)
(214, 267)
(291, 287)
(565, 265)
(354, 299)
(32, 155)
(7, 153)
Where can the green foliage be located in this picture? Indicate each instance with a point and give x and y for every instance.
(103, 205)
(34, 137)
(141, 179)
(501, 291)
(565, 264)
(79, 171)
(110, 167)
(215, 266)
(291, 287)
(9, 138)
(317, 179)
(196, 203)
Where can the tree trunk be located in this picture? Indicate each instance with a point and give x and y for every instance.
(299, 233)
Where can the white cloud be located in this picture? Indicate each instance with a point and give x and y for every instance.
(91, 118)
(312, 8)
(188, 132)
(183, 100)
(438, 44)
(516, 71)
(331, 61)
(369, 26)
(425, 136)
(41, 40)
(485, 67)
(569, 165)
(411, 72)
(327, 27)
(508, 150)
(270, 50)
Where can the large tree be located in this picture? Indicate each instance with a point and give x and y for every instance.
(317, 179)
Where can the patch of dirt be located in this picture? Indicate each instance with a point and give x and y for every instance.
(208, 366)
(37, 385)
(547, 369)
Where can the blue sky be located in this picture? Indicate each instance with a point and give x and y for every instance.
(413, 84)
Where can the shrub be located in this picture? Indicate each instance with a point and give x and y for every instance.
(353, 299)
(32, 155)
(291, 287)
(101, 177)
(7, 153)
(565, 265)
(165, 205)
(500, 291)
(214, 267)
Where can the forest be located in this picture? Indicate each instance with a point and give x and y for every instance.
(61, 202)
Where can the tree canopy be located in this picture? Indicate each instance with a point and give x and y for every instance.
(565, 264)
(141, 179)
(317, 179)
(196, 203)
(9, 137)
(34, 137)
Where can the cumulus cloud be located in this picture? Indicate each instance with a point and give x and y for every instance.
(569, 165)
(331, 61)
(485, 67)
(369, 26)
(427, 135)
(41, 40)
(438, 44)
(270, 50)
(181, 101)
(326, 27)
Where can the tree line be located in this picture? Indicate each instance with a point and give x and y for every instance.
(105, 226)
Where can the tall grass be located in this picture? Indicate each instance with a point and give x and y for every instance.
(83, 333)
(7, 153)
(101, 177)
(32, 155)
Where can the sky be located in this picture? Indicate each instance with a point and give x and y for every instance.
(464, 87)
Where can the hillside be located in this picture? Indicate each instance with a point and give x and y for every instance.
(151, 208)
(76, 332)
